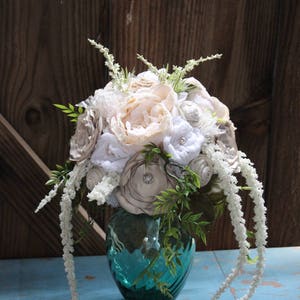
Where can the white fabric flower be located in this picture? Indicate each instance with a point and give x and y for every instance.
(184, 142)
(110, 154)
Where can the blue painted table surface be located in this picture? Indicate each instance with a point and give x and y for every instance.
(44, 278)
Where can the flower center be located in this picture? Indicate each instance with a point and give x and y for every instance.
(148, 178)
(182, 140)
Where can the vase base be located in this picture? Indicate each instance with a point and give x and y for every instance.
(143, 294)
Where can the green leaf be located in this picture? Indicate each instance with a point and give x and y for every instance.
(50, 182)
(203, 237)
(252, 260)
(71, 111)
(60, 106)
(66, 111)
(250, 234)
(73, 115)
(60, 174)
(59, 167)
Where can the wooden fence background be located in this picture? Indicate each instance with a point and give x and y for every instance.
(45, 59)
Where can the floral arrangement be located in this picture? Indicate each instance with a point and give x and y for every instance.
(149, 143)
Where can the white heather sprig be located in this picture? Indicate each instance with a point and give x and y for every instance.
(48, 197)
(65, 217)
(228, 183)
(178, 72)
(192, 63)
(104, 188)
(256, 193)
(150, 66)
(114, 68)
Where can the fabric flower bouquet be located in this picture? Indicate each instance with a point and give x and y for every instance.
(151, 144)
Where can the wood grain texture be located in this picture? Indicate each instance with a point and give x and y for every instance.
(22, 187)
(284, 151)
(16, 234)
(45, 59)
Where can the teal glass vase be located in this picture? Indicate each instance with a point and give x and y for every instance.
(132, 243)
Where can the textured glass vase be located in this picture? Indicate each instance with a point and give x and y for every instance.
(132, 242)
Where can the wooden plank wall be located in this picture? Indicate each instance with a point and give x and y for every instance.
(45, 59)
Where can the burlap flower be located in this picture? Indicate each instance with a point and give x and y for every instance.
(93, 177)
(141, 183)
(82, 143)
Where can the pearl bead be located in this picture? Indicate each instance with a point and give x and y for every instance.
(148, 178)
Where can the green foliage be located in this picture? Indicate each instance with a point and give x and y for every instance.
(176, 78)
(250, 234)
(173, 209)
(124, 78)
(251, 260)
(151, 151)
(195, 225)
(85, 229)
(60, 174)
(251, 238)
(71, 111)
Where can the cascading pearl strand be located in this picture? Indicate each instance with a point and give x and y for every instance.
(256, 193)
(228, 183)
(65, 217)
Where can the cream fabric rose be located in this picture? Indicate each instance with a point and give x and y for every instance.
(89, 125)
(221, 110)
(108, 101)
(184, 142)
(140, 184)
(199, 117)
(110, 154)
(203, 167)
(200, 96)
(146, 116)
(143, 80)
(191, 112)
(227, 142)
